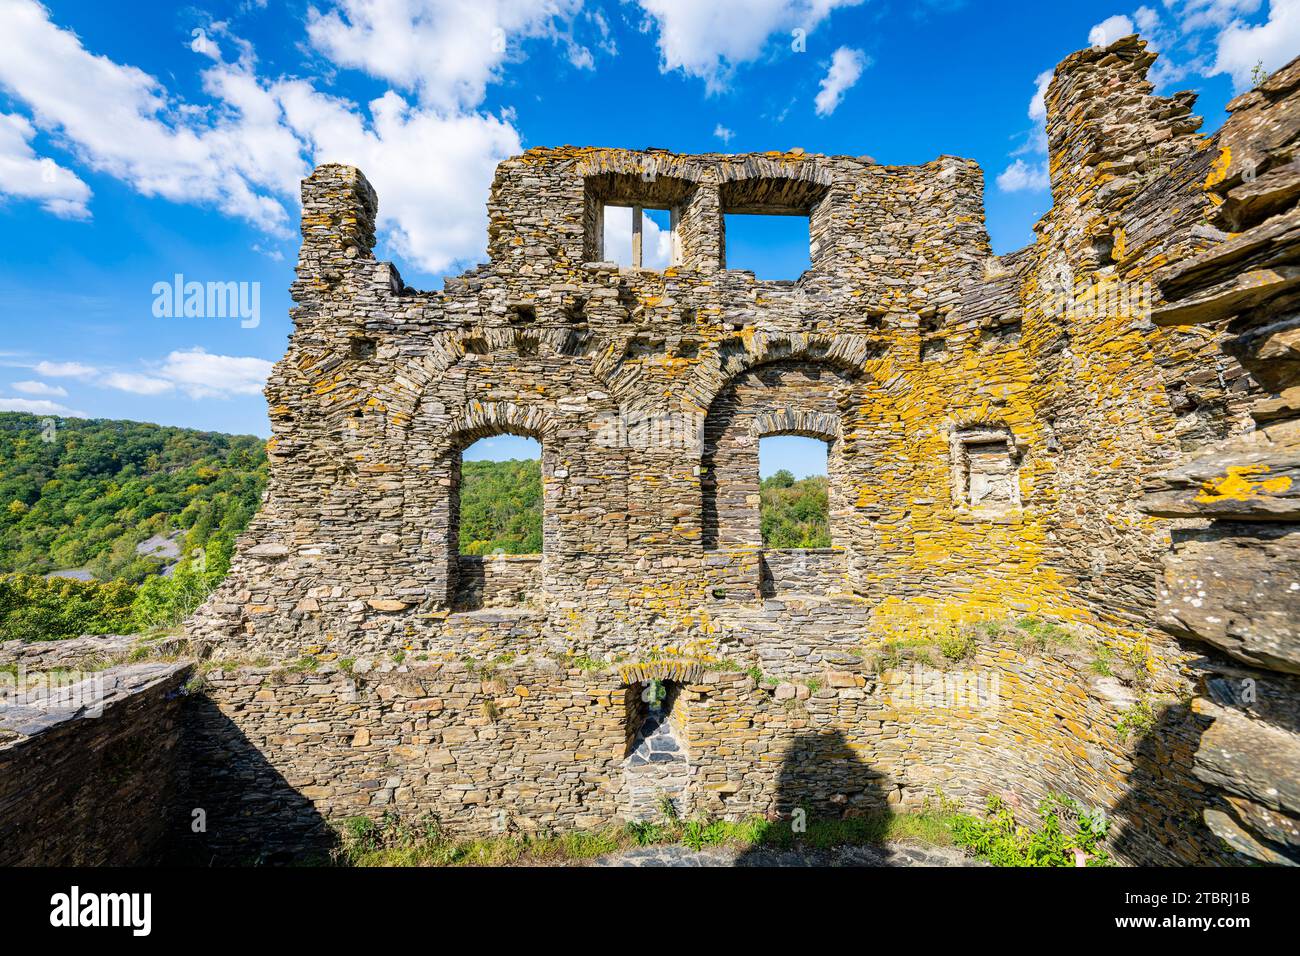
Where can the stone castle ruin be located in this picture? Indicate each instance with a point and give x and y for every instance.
(1096, 435)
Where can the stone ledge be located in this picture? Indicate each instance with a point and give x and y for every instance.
(89, 698)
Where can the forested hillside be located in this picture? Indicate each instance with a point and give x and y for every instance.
(501, 507)
(84, 493)
(90, 496)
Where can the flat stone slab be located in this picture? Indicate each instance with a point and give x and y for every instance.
(36, 711)
(894, 854)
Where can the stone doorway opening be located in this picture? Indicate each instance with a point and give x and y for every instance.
(656, 769)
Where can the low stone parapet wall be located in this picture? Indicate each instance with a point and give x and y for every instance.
(88, 768)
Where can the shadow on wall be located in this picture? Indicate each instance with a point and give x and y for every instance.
(251, 813)
(822, 778)
(1157, 821)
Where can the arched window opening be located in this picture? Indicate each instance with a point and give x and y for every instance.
(499, 522)
(501, 496)
(794, 498)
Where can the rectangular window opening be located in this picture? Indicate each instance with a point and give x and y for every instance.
(773, 247)
(501, 497)
(794, 493)
(638, 237)
(987, 473)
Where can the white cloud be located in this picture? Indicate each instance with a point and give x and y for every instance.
(446, 51)
(709, 40)
(194, 372)
(846, 69)
(120, 121)
(1147, 20)
(41, 388)
(136, 384)
(65, 370)
(656, 242)
(1022, 177)
(38, 407)
(205, 45)
(27, 176)
(248, 150)
(1269, 45)
(1038, 105)
(1199, 14)
(432, 171)
(1110, 30)
(200, 374)
(723, 134)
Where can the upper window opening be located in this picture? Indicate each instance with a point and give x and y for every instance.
(639, 238)
(501, 496)
(773, 247)
(794, 505)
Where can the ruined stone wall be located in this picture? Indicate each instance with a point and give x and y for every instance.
(991, 422)
(89, 773)
(529, 746)
(1235, 584)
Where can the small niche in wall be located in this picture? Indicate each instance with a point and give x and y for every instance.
(1000, 334)
(361, 348)
(1103, 251)
(930, 321)
(932, 350)
(575, 311)
(986, 473)
(523, 313)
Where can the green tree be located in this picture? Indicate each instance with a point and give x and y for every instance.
(794, 514)
(87, 497)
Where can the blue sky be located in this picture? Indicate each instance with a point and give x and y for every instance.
(170, 141)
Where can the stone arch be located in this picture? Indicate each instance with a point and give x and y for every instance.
(849, 352)
(685, 672)
(435, 439)
(798, 393)
(797, 421)
(484, 419)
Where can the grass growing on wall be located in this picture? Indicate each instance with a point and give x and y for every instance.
(994, 837)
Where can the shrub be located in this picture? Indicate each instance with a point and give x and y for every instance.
(997, 837)
(958, 645)
(165, 602)
(1033, 635)
(1138, 719)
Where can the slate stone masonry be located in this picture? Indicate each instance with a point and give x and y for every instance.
(992, 423)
